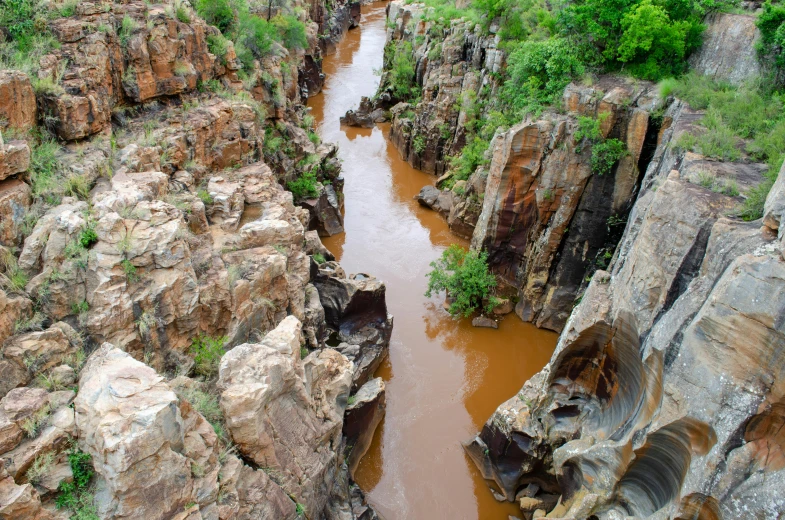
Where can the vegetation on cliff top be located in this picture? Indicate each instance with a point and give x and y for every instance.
(254, 37)
(466, 278)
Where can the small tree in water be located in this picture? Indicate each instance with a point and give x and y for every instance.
(466, 278)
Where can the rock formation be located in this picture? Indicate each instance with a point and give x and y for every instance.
(662, 396)
(160, 319)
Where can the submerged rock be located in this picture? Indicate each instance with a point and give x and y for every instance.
(363, 414)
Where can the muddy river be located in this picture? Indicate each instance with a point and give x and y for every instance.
(444, 377)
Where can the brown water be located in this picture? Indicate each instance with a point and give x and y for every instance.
(444, 377)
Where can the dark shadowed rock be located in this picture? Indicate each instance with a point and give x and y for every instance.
(366, 116)
(363, 415)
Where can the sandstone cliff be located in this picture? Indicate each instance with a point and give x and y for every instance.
(165, 300)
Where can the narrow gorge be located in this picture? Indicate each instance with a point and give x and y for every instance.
(347, 260)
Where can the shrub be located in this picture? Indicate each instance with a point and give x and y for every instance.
(220, 13)
(401, 65)
(318, 258)
(207, 354)
(40, 467)
(181, 13)
(130, 270)
(204, 196)
(88, 237)
(217, 45)
(606, 154)
(127, 27)
(465, 276)
(207, 405)
(419, 144)
(75, 495)
(304, 186)
(771, 23)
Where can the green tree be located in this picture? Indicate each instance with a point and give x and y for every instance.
(466, 278)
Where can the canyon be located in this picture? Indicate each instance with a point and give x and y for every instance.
(216, 232)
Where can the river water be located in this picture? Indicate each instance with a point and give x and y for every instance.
(444, 377)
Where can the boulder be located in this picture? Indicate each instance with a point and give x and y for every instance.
(366, 116)
(17, 100)
(34, 352)
(18, 405)
(428, 196)
(15, 199)
(363, 415)
(286, 415)
(129, 421)
(14, 158)
(325, 212)
(352, 303)
(12, 309)
(20, 502)
(228, 203)
(485, 321)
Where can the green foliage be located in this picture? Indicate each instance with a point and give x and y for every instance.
(254, 37)
(606, 154)
(88, 237)
(130, 270)
(220, 13)
(20, 18)
(399, 58)
(204, 196)
(76, 495)
(207, 405)
(589, 128)
(318, 258)
(304, 186)
(650, 39)
(419, 143)
(771, 22)
(181, 13)
(44, 170)
(538, 72)
(465, 276)
(218, 45)
(127, 27)
(207, 353)
(472, 156)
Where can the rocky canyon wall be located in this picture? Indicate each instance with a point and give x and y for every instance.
(663, 397)
(166, 303)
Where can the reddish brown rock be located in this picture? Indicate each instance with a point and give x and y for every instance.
(15, 199)
(14, 158)
(17, 100)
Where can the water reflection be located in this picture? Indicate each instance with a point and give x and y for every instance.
(444, 376)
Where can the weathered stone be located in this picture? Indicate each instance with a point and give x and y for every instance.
(17, 100)
(265, 389)
(12, 309)
(363, 415)
(729, 47)
(129, 422)
(484, 321)
(15, 199)
(14, 158)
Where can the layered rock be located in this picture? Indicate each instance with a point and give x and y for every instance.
(662, 395)
(729, 48)
(547, 218)
(453, 65)
(17, 100)
(285, 414)
(356, 309)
